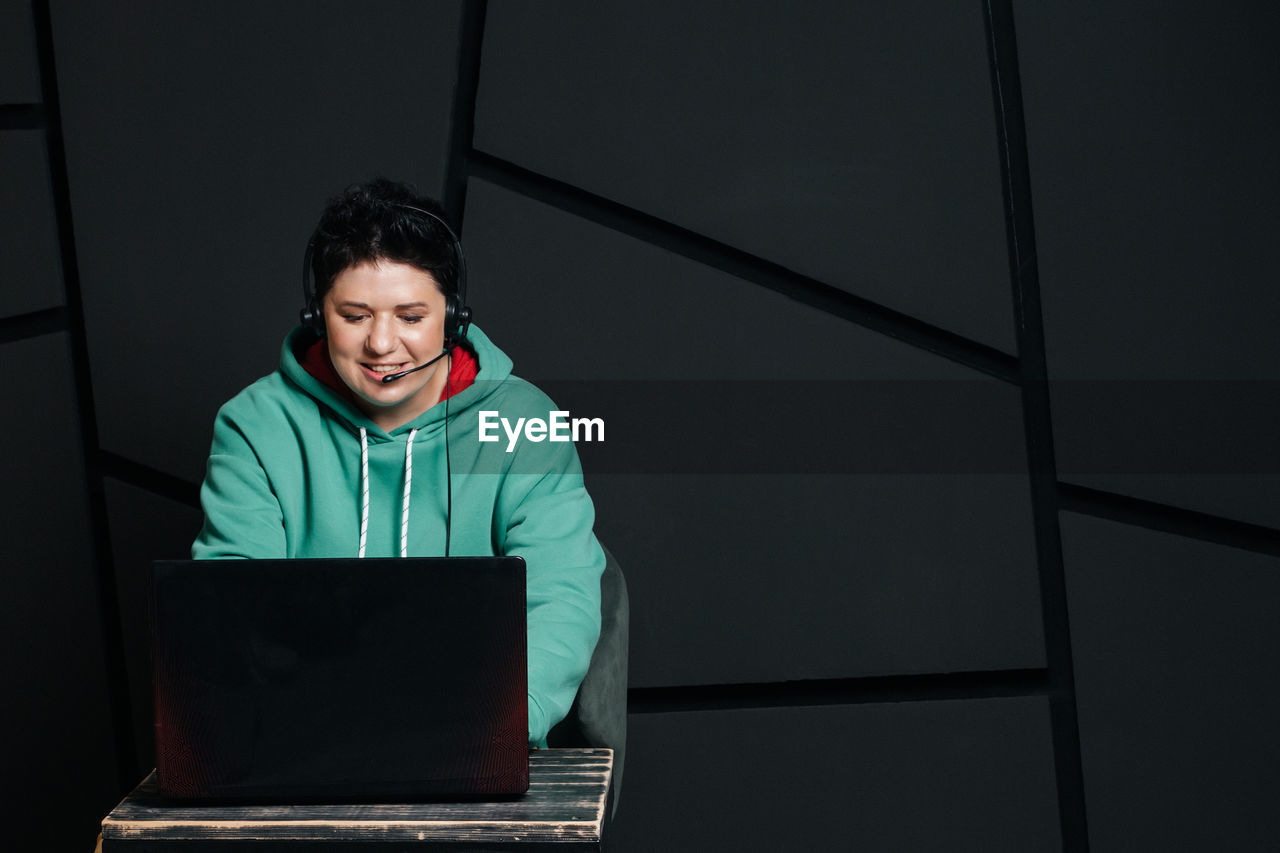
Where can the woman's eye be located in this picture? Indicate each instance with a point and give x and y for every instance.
(411, 318)
(353, 318)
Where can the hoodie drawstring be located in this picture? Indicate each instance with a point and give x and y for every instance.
(364, 489)
(364, 492)
(408, 481)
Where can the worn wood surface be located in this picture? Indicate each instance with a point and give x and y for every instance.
(565, 804)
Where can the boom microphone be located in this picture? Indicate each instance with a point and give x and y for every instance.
(393, 377)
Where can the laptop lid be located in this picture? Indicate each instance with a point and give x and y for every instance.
(340, 679)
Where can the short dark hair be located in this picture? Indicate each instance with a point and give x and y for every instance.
(373, 222)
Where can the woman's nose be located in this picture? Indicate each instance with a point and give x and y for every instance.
(381, 337)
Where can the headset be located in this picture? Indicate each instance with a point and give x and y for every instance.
(457, 314)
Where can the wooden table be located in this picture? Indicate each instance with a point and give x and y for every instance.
(564, 809)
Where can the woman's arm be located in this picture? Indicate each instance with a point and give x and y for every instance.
(549, 519)
(242, 516)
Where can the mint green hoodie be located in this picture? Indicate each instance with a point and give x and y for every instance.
(284, 480)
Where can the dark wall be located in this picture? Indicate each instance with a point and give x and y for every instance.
(60, 660)
(934, 343)
(193, 133)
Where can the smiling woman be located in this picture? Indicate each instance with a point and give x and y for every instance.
(365, 441)
(385, 318)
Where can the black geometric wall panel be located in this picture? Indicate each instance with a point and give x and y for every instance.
(850, 142)
(1152, 130)
(741, 578)
(760, 240)
(958, 775)
(1178, 686)
(201, 143)
(32, 276)
(822, 563)
(574, 300)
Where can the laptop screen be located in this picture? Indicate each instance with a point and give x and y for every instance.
(340, 679)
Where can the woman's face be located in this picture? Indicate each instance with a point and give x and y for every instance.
(383, 318)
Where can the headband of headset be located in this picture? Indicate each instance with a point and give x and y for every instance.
(457, 314)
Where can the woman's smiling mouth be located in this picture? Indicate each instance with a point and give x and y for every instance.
(380, 370)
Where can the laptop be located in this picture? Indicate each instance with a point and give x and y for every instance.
(340, 680)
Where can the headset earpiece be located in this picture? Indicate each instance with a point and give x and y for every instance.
(312, 317)
(464, 321)
(457, 318)
(312, 313)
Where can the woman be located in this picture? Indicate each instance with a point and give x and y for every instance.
(365, 440)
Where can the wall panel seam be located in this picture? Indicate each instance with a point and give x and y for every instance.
(745, 266)
(1164, 518)
(880, 689)
(462, 128)
(1015, 174)
(33, 324)
(112, 636)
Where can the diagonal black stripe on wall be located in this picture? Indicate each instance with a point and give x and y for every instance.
(1016, 178)
(32, 325)
(150, 479)
(1169, 519)
(112, 636)
(745, 266)
(461, 134)
(839, 691)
